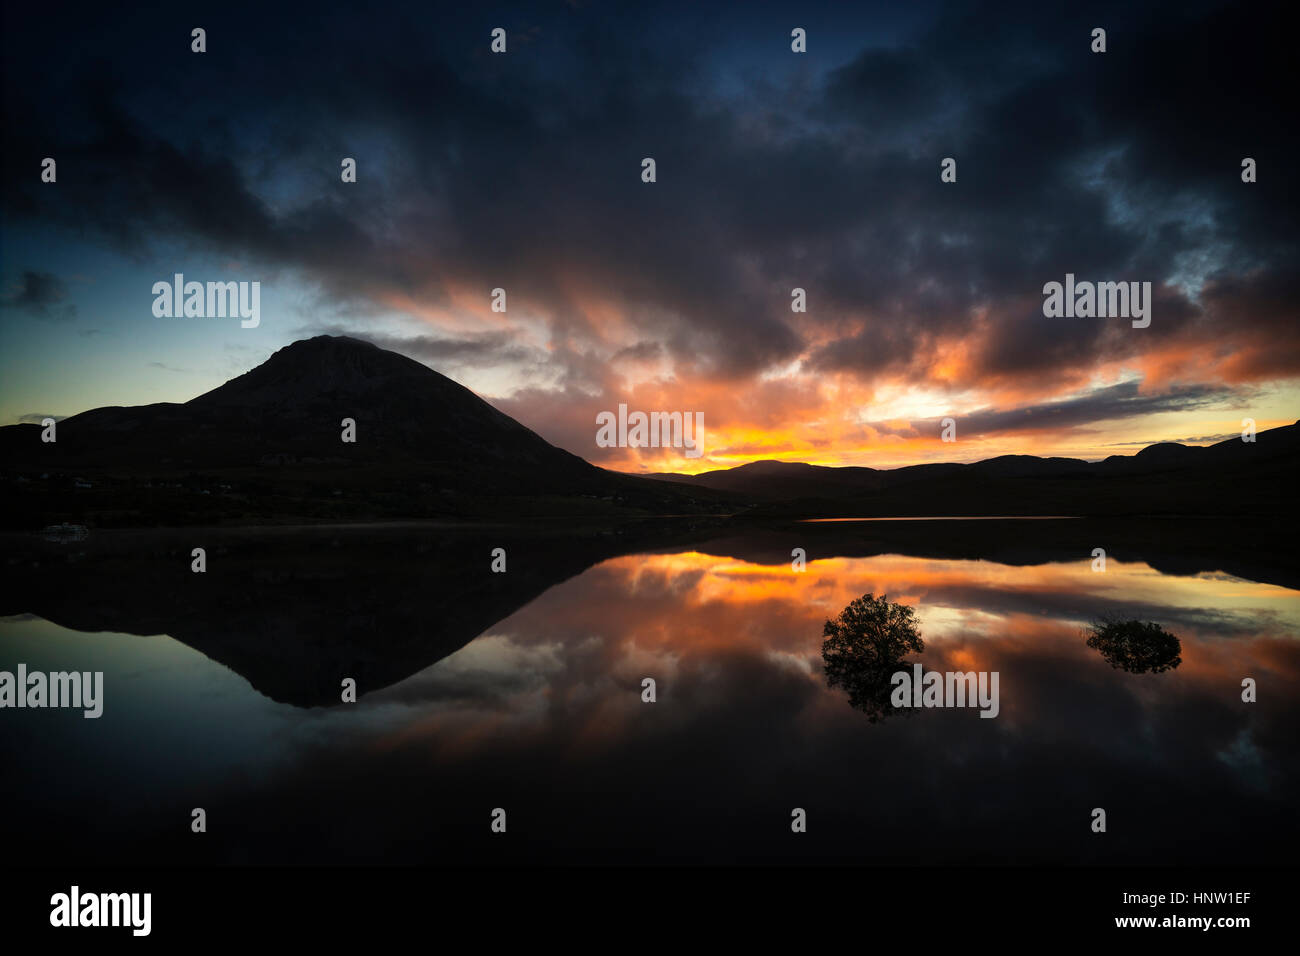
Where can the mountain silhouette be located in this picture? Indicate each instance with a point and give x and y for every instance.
(1232, 477)
(290, 408)
(269, 444)
(268, 447)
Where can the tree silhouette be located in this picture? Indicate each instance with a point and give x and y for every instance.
(1139, 647)
(864, 647)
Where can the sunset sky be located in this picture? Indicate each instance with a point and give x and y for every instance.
(775, 170)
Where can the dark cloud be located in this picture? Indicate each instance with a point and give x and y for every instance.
(1123, 400)
(42, 295)
(523, 172)
(640, 352)
(1189, 440)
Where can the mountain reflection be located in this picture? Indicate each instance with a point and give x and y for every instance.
(523, 690)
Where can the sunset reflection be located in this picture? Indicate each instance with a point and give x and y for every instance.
(544, 712)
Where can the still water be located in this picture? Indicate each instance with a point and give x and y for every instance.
(531, 701)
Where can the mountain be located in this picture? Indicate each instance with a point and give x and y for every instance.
(267, 447)
(777, 480)
(781, 479)
(290, 409)
(269, 444)
(1230, 478)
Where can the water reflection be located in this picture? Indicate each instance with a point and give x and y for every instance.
(864, 647)
(1139, 647)
(523, 691)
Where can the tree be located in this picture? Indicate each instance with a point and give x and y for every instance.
(864, 646)
(1139, 647)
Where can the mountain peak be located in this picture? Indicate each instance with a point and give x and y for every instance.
(326, 366)
(321, 342)
(293, 406)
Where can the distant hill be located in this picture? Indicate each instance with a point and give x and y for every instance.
(786, 479)
(782, 479)
(1231, 477)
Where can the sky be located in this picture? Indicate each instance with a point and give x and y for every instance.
(775, 170)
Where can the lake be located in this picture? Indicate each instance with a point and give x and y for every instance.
(523, 691)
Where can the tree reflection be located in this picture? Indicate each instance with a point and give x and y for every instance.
(864, 647)
(1139, 647)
